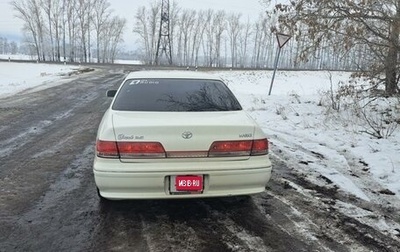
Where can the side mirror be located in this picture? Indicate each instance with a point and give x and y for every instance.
(111, 93)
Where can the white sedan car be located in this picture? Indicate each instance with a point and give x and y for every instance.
(171, 134)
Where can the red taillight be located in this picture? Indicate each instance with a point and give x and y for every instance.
(260, 147)
(239, 148)
(141, 150)
(110, 149)
(107, 149)
(230, 148)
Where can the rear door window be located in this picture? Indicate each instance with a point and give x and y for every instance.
(175, 95)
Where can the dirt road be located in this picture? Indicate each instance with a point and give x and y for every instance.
(48, 200)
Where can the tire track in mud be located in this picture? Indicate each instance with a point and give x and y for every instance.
(386, 205)
(384, 208)
(40, 115)
(321, 211)
(223, 224)
(352, 168)
(58, 221)
(255, 229)
(43, 190)
(29, 170)
(72, 122)
(159, 225)
(326, 170)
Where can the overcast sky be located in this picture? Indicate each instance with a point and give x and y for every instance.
(10, 26)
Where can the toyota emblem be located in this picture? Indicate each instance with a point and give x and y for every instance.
(187, 135)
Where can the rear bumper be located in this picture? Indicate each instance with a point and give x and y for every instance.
(117, 180)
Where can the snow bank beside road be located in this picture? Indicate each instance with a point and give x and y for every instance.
(17, 77)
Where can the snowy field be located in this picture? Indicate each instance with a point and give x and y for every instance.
(128, 62)
(314, 139)
(18, 77)
(327, 147)
(16, 57)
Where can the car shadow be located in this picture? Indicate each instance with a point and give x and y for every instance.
(176, 208)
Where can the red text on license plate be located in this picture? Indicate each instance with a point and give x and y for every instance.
(189, 183)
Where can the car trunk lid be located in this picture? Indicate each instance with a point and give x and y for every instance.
(183, 133)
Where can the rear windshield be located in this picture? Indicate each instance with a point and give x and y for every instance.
(175, 95)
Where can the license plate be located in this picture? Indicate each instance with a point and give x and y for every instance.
(192, 183)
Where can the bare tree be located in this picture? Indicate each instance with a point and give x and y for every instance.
(46, 20)
(258, 38)
(346, 24)
(72, 28)
(208, 43)
(219, 24)
(244, 38)
(47, 7)
(58, 8)
(117, 26)
(141, 28)
(34, 6)
(155, 9)
(234, 29)
(100, 17)
(146, 26)
(81, 8)
(187, 23)
(175, 11)
(198, 32)
(179, 42)
(6, 47)
(53, 12)
(25, 13)
(13, 47)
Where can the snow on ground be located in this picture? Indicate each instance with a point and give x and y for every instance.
(308, 137)
(128, 62)
(17, 77)
(326, 146)
(16, 57)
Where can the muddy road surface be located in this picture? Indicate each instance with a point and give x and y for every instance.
(48, 200)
